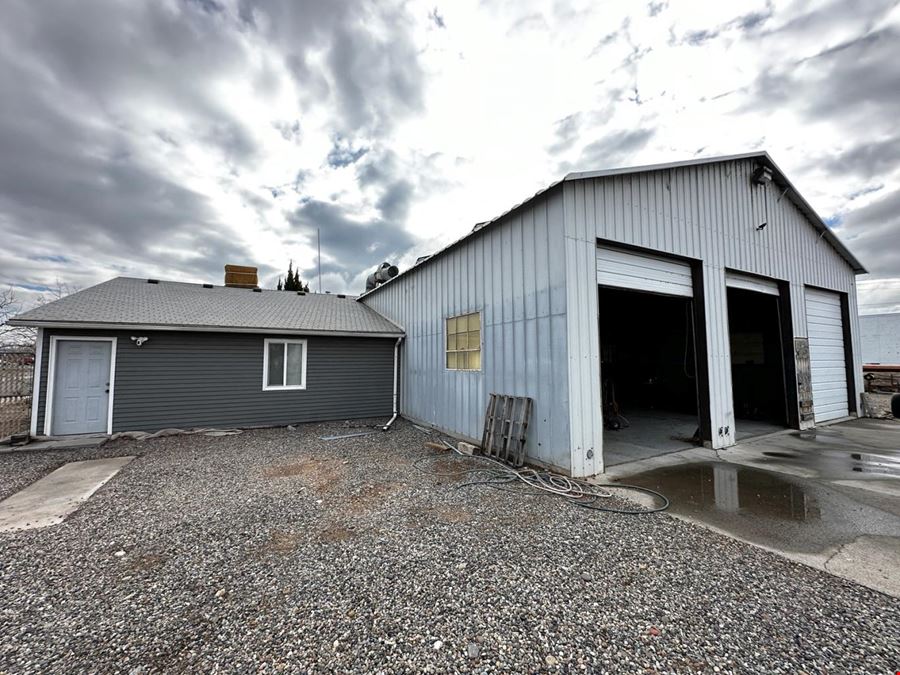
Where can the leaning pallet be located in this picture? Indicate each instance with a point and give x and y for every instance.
(505, 428)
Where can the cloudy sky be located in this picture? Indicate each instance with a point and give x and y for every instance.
(167, 138)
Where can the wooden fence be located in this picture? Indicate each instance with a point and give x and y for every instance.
(16, 372)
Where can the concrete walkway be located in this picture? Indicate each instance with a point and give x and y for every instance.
(828, 497)
(70, 443)
(51, 499)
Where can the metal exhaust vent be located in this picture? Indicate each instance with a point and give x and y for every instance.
(384, 272)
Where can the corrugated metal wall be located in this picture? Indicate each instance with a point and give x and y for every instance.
(534, 276)
(188, 380)
(706, 212)
(513, 272)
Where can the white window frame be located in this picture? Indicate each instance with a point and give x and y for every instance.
(51, 376)
(265, 375)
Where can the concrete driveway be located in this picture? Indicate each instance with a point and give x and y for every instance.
(828, 497)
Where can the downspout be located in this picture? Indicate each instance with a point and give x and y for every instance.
(396, 369)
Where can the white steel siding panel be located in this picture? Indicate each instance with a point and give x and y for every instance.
(514, 274)
(707, 213)
(880, 338)
(826, 355)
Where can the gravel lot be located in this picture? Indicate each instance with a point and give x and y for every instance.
(276, 551)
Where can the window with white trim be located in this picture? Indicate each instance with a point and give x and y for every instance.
(464, 342)
(284, 365)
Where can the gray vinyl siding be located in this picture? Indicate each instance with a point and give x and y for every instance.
(192, 379)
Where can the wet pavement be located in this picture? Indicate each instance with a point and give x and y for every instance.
(828, 497)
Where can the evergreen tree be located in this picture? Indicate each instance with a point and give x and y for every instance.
(289, 282)
(292, 280)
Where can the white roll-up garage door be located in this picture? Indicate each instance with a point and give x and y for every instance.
(747, 282)
(825, 328)
(643, 272)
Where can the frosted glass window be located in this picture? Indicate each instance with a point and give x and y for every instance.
(463, 344)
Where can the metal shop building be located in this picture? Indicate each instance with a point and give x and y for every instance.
(643, 310)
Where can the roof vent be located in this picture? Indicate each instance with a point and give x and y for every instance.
(207, 285)
(384, 272)
(152, 281)
(341, 295)
(301, 292)
(257, 290)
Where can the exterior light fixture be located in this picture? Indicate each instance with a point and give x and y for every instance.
(762, 175)
(139, 340)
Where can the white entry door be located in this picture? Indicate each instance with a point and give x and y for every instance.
(81, 386)
(827, 355)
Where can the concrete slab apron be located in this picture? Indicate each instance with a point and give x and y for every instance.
(51, 499)
(836, 505)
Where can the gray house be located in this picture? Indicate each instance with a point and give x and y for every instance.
(141, 354)
(644, 310)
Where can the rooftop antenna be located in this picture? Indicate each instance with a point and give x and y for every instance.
(319, 245)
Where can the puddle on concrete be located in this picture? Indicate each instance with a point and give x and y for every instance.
(730, 489)
(768, 508)
(837, 462)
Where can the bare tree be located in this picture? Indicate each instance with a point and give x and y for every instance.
(10, 305)
(11, 336)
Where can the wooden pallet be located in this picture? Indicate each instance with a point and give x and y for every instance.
(505, 427)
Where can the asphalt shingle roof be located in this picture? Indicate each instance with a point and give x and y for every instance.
(128, 301)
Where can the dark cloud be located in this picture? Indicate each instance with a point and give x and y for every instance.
(612, 150)
(535, 21)
(97, 96)
(290, 131)
(566, 133)
(437, 18)
(343, 153)
(869, 159)
(353, 247)
(856, 82)
(373, 77)
(572, 128)
(745, 23)
(873, 234)
(394, 203)
(654, 8)
(698, 37)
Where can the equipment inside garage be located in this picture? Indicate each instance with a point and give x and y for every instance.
(648, 374)
(757, 362)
